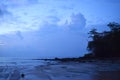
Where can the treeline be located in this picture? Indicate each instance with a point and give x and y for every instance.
(105, 44)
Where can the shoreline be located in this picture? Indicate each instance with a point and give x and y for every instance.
(83, 59)
(58, 70)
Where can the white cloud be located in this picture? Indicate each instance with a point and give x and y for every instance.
(78, 21)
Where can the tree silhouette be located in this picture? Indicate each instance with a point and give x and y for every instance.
(107, 43)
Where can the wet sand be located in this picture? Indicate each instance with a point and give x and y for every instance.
(107, 75)
(61, 71)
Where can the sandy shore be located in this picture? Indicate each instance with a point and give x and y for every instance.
(60, 71)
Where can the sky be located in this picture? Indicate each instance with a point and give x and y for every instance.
(52, 28)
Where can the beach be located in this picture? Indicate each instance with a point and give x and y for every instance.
(56, 70)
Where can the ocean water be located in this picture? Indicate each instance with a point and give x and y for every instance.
(13, 61)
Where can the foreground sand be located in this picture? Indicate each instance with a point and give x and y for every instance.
(47, 70)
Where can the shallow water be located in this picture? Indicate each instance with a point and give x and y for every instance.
(13, 68)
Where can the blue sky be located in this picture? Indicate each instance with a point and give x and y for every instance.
(52, 28)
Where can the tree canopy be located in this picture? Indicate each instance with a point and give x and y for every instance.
(107, 43)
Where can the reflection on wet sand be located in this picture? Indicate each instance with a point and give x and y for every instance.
(107, 75)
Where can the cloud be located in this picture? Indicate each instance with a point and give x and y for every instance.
(78, 22)
(49, 28)
(2, 43)
(4, 11)
(53, 19)
(19, 34)
(14, 19)
(51, 40)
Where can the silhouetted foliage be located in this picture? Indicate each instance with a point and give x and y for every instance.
(57, 58)
(107, 43)
(88, 55)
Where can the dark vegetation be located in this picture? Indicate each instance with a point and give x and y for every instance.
(105, 44)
